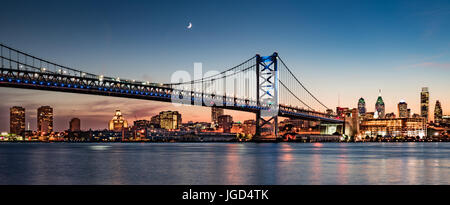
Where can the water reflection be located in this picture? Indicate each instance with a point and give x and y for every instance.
(225, 163)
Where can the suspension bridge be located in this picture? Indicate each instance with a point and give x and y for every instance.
(263, 85)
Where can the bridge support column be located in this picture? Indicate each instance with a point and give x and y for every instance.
(267, 98)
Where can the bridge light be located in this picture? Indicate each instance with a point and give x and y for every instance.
(100, 78)
(43, 69)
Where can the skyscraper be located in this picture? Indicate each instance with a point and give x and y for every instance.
(402, 109)
(170, 120)
(17, 120)
(225, 122)
(379, 107)
(118, 122)
(215, 113)
(45, 120)
(75, 125)
(424, 103)
(438, 112)
(361, 106)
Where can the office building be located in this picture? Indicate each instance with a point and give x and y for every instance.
(75, 125)
(225, 122)
(170, 120)
(17, 120)
(402, 109)
(45, 120)
(438, 112)
(118, 122)
(424, 103)
(361, 106)
(379, 107)
(215, 113)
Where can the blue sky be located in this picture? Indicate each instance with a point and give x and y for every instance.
(345, 48)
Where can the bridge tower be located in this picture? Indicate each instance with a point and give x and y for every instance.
(267, 94)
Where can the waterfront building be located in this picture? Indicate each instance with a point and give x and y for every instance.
(390, 115)
(399, 127)
(236, 128)
(409, 112)
(140, 129)
(424, 103)
(225, 122)
(361, 106)
(403, 109)
(45, 120)
(249, 127)
(437, 112)
(379, 107)
(17, 120)
(352, 123)
(75, 125)
(415, 115)
(170, 120)
(446, 119)
(215, 113)
(368, 115)
(118, 122)
(141, 124)
(197, 126)
(155, 121)
(340, 111)
(108, 135)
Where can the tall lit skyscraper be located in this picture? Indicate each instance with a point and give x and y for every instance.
(17, 120)
(379, 106)
(170, 120)
(438, 112)
(361, 106)
(118, 123)
(75, 125)
(424, 103)
(402, 109)
(45, 120)
(215, 113)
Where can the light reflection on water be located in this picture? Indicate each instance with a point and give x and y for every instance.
(225, 163)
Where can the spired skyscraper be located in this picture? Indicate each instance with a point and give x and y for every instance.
(361, 106)
(379, 107)
(438, 112)
(424, 103)
(403, 109)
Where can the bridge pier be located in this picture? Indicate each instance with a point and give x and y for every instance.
(267, 97)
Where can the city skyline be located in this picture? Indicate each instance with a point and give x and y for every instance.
(398, 47)
(96, 120)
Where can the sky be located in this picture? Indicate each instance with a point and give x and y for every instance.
(341, 50)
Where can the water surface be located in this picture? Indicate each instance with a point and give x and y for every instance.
(225, 163)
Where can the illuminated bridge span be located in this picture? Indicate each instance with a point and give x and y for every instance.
(263, 85)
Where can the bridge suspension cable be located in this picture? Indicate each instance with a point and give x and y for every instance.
(292, 87)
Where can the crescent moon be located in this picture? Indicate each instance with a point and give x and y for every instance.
(190, 25)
